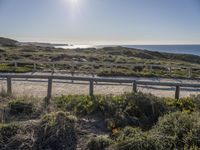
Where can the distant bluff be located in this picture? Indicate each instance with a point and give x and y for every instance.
(7, 42)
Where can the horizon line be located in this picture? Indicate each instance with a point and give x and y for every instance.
(97, 42)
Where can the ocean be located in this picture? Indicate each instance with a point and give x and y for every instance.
(179, 49)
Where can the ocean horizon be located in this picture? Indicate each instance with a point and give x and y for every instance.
(177, 49)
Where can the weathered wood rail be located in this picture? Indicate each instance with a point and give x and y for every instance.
(92, 80)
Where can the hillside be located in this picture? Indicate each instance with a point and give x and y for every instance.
(102, 57)
(146, 54)
(7, 42)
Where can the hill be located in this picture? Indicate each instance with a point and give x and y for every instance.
(155, 64)
(7, 42)
(146, 54)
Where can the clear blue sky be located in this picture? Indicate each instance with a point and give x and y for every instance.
(102, 21)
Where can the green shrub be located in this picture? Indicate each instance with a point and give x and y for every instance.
(196, 101)
(188, 104)
(127, 109)
(78, 104)
(126, 133)
(99, 143)
(20, 106)
(8, 68)
(180, 129)
(133, 138)
(7, 131)
(56, 132)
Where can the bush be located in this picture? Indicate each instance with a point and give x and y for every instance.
(133, 138)
(182, 130)
(178, 130)
(187, 104)
(132, 109)
(7, 131)
(127, 109)
(99, 143)
(125, 133)
(78, 104)
(20, 106)
(56, 132)
(7, 68)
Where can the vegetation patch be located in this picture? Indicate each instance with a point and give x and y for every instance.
(134, 121)
(176, 130)
(8, 68)
(179, 129)
(127, 109)
(187, 104)
(56, 132)
(23, 108)
(7, 131)
(99, 143)
(20, 106)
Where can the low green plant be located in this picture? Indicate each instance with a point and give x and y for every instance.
(127, 109)
(20, 106)
(187, 104)
(56, 132)
(99, 143)
(178, 129)
(133, 138)
(7, 131)
(174, 131)
(78, 104)
(8, 68)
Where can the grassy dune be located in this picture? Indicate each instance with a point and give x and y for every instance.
(107, 55)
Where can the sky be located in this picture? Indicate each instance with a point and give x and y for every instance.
(101, 21)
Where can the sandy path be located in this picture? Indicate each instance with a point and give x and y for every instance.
(39, 89)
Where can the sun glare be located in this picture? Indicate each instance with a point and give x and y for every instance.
(74, 1)
(73, 8)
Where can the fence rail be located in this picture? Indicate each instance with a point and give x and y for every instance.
(91, 81)
(73, 64)
(16, 62)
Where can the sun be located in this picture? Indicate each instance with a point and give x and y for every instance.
(74, 7)
(74, 1)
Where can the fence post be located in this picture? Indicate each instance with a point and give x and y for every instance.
(34, 67)
(189, 72)
(134, 87)
(49, 89)
(177, 93)
(151, 68)
(91, 90)
(170, 70)
(72, 70)
(9, 86)
(53, 68)
(93, 70)
(16, 65)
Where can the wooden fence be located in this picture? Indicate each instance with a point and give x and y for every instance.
(91, 80)
(73, 65)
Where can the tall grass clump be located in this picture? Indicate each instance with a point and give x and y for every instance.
(56, 131)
